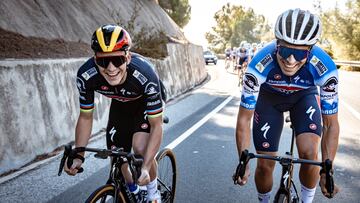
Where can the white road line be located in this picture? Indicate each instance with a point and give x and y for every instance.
(172, 145)
(351, 109)
(187, 133)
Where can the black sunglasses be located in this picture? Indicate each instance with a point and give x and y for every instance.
(115, 60)
(299, 54)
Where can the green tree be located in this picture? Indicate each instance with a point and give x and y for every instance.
(178, 10)
(236, 24)
(341, 30)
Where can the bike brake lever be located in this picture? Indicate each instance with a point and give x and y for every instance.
(329, 184)
(71, 154)
(240, 169)
(67, 150)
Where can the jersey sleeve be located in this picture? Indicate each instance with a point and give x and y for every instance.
(329, 94)
(326, 77)
(255, 75)
(152, 91)
(86, 94)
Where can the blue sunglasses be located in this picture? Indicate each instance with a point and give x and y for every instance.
(299, 54)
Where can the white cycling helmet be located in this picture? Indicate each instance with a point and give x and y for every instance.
(298, 27)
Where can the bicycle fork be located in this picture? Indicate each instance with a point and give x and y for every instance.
(286, 183)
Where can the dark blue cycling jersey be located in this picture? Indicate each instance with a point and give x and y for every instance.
(142, 82)
(264, 70)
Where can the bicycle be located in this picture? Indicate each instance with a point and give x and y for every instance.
(241, 73)
(227, 62)
(116, 190)
(287, 191)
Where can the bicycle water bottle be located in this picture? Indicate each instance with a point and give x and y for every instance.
(134, 188)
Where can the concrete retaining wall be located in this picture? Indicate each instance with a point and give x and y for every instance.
(39, 100)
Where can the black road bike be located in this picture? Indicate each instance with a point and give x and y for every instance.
(287, 192)
(116, 190)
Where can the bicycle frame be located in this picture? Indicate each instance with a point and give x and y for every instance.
(287, 162)
(115, 177)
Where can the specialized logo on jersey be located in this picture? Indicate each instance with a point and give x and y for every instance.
(89, 73)
(150, 89)
(311, 112)
(263, 63)
(296, 78)
(265, 128)
(319, 66)
(140, 77)
(80, 85)
(330, 85)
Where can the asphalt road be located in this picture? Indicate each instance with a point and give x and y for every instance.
(206, 158)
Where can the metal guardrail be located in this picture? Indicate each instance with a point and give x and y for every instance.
(347, 63)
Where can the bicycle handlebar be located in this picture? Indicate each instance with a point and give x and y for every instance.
(246, 156)
(70, 155)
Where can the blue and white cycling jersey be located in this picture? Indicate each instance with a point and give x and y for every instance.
(264, 70)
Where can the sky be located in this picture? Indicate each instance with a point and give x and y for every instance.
(202, 13)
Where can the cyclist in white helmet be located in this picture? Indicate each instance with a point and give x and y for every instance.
(285, 76)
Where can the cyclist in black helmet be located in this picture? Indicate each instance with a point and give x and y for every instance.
(135, 118)
(285, 76)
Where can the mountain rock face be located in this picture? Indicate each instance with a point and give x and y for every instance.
(63, 29)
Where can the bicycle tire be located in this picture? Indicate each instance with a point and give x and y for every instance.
(105, 191)
(166, 175)
(281, 199)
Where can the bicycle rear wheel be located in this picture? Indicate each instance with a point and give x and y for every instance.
(105, 193)
(166, 174)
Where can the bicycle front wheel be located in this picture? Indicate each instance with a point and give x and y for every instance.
(282, 199)
(104, 194)
(166, 175)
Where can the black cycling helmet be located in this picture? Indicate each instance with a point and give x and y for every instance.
(109, 38)
(298, 27)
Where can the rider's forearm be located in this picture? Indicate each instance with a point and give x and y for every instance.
(83, 130)
(153, 145)
(329, 142)
(242, 138)
(242, 133)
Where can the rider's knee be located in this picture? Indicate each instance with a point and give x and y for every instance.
(308, 146)
(139, 149)
(309, 154)
(265, 166)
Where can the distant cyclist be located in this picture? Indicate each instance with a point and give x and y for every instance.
(242, 61)
(284, 76)
(135, 118)
(227, 58)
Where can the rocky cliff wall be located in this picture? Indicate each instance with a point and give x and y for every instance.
(39, 100)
